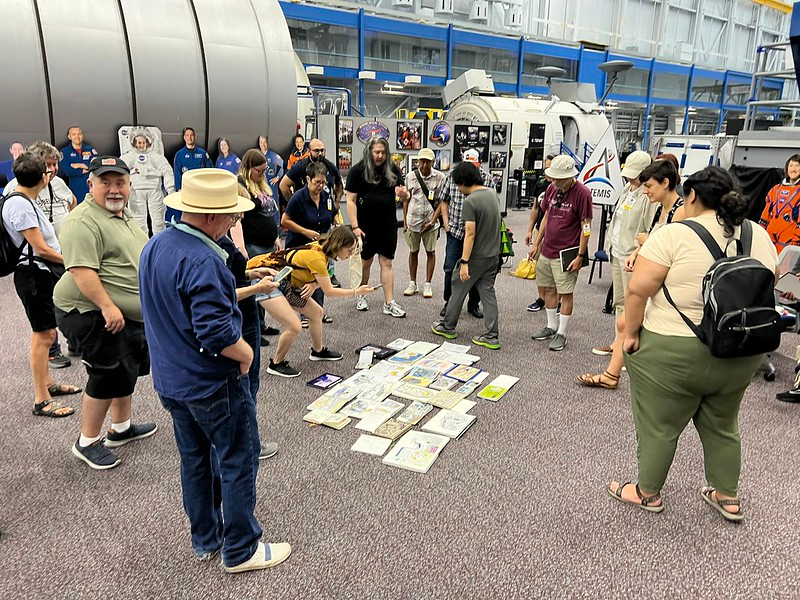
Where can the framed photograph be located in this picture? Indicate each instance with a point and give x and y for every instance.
(440, 134)
(412, 163)
(324, 381)
(399, 159)
(442, 160)
(345, 159)
(497, 180)
(499, 135)
(345, 131)
(471, 137)
(409, 135)
(497, 160)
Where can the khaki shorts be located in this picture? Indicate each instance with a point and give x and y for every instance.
(428, 239)
(620, 278)
(550, 275)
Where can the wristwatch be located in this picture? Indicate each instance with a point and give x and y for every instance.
(464, 261)
(581, 255)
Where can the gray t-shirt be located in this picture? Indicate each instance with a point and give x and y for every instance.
(19, 214)
(483, 207)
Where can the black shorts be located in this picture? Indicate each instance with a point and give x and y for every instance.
(113, 360)
(35, 288)
(380, 240)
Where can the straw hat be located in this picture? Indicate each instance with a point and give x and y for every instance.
(209, 191)
(562, 167)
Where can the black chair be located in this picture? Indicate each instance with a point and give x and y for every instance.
(599, 257)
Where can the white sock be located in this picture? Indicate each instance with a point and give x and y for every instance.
(121, 427)
(552, 318)
(562, 324)
(87, 441)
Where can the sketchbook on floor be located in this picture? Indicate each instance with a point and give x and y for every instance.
(379, 352)
(323, 417)
(440, 366)
(444, 383)
(463, 372)
(329, 404)
(449, 423)
(414, 413)
(453, 357)
(498, 387)
(420, 376)
(416, 451)
(414, 392)
(370, 444)
(392, 429)
(445, 399)
(399, 344)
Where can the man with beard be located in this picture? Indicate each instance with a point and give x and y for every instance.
(373, 184)
(97, 302)
(295, 177)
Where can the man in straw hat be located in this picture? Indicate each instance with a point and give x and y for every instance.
(567, 207)
(200, 365)
(97, 302)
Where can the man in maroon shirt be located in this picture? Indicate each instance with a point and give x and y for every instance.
(567, 208)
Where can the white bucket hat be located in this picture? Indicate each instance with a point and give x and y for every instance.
(426, 154)
(209, 191)
(562, 167)
(636, 163)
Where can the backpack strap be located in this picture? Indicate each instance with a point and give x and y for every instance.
(695, 329)
(707, 238)
(745, 242)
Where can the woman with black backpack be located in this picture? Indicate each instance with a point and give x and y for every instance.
(676, 377)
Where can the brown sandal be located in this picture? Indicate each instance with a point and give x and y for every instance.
(645, 502)
(39, 409)
(590, 380)
(710, 496)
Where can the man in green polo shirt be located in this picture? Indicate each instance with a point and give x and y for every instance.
(97, 304)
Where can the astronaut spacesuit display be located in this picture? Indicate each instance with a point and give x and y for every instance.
(151, 174)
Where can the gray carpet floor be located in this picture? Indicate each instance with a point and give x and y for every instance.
(515, 509)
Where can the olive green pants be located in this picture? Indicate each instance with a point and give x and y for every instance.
(675, 380)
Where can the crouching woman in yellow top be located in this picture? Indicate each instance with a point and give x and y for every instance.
(674, 377)
(310, 272)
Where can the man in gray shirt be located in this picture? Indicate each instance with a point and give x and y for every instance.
(479, 262)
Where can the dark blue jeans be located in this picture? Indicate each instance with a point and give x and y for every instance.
(219, 503)
(451, 257)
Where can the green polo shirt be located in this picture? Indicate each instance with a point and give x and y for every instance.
(98, 239)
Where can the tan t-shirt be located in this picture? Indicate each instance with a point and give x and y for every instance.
(95, 238)
(681, 249)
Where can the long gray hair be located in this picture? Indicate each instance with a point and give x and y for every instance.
(375, 174)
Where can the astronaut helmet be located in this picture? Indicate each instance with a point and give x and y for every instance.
(140, 140)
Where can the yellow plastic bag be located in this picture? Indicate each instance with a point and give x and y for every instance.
(526, 269)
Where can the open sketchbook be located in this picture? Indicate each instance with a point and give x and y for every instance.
(449, 423)
(323, 417)
(416, 451)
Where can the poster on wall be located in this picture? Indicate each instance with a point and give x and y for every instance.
(345, 131)
(497, 180)
(442, 160)
(345, 160)
(471, 136)
(399, 159)
(370, 129)
(440, 133)
(497, 160)
(412, 163)
(409, 135)
(499, 135)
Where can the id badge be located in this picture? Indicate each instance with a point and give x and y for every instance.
(430, 195)
(330, 203)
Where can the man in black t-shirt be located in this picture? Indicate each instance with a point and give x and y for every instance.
(295, 178)
(373, 185)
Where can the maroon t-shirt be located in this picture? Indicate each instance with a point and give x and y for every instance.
(564, 218)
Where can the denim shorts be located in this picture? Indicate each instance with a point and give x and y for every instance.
(276, 293)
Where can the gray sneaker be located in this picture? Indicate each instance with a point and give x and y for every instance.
(96, 455)
(558, 342)
(268, 450)
(544, 334)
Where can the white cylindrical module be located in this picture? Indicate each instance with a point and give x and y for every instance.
(224, 67)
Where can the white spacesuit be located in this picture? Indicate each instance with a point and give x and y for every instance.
(148, 169)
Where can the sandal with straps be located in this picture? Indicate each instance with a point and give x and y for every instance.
(645, 502)
(708, 494)
(596, 381)
(39, 409)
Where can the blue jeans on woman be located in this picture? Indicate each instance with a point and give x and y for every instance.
(219, 501)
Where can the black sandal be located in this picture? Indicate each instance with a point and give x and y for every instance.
(64, 389)
(39, 409)
(719, 505)
(644, 501)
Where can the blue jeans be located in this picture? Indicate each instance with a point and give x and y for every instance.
(451, 257)
(219, 502)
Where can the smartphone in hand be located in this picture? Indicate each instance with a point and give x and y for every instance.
(282, 274)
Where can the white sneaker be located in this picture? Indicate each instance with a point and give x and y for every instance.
(393, 309)
(427, 291)
(277, 552)
(361, 303)
(411, 289)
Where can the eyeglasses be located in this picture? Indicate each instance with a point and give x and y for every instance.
(318, 150)
(235, 219)
(260, 169)
(319, 182)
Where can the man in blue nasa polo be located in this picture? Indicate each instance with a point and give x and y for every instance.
(75, 159)
(188, 158)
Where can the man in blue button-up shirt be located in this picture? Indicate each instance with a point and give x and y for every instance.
(200, 363)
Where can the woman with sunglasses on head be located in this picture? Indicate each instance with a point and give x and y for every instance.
(674, 377)
(310, 272)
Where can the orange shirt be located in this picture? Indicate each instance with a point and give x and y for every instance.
(781, 216)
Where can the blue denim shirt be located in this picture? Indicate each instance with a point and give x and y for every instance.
(188, 298)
